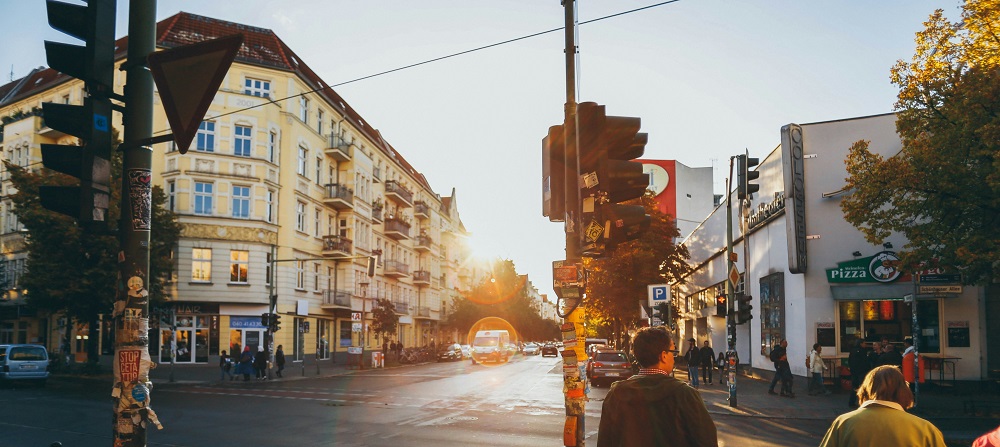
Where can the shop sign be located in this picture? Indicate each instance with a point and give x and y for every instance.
(941, 289)
(766, 210)
(792, 152)
(883, 267)
(245, 323)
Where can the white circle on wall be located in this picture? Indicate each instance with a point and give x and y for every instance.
(658, 177)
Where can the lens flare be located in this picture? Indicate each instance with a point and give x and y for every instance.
(493, 340)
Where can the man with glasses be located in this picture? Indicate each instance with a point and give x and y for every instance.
(652, 408)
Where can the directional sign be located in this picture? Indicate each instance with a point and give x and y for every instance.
(658, 293)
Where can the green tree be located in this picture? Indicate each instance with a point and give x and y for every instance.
(942, 191)
(74, 272)
(616, 285)
(384, 318)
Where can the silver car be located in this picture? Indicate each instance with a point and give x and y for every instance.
(24, 363)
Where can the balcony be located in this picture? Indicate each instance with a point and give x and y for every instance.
(421, 278)
(423, 311)
(377, 214)
(395, 192)
(402, 308)
(335, 245)
(339, 196)
(336, 299)
(397, 228)
(421, 211)
(423, 243)
(339, 149)
(395, 269)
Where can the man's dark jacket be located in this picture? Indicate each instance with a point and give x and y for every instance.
(655, 410)
(776, 354)
(707, 356)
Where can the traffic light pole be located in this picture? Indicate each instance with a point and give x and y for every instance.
(132, 362)
(731, 311)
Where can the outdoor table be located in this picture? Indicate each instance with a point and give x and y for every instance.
(941, 362)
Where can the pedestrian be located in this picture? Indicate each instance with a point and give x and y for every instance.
(857, 361)
(385, 347)
(652, 408)
(991, 439)
(246, 363)
(260, 363)
(782, 370)
(882, 418)
(225, 366)
(909, 355)
(279, 359)
(399, 349)
(890, 356)
(693, 358)
(816, 366)
(873, 351)
(721, 364)
(707, 363)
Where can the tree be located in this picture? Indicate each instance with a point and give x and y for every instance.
(616, 285)
(75, 272)
(942, 191)
(384, 318)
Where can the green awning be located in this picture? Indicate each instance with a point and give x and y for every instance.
(871, 291)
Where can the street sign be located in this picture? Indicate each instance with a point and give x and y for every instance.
(354, 350)
(355, 327)
(940, 279)
(734, 276)
(355, 316)
(658, 293)
(941, 289)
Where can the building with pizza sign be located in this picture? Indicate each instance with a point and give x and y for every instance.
(812, 276)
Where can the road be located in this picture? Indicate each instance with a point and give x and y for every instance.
(433, 405)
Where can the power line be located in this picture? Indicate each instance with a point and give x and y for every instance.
(436, 59)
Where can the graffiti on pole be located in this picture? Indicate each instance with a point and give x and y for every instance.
(140, 194)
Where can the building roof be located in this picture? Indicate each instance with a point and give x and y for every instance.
(261, 47)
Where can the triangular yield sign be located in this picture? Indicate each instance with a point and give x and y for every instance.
(188, 77)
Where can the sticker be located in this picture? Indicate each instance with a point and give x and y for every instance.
(140, 198)
(127, 366)
(140, 393)
(137, 294)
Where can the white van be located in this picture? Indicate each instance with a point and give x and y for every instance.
(491, 346)
(24, 362)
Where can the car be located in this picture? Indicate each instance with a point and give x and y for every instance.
(531, 349)
(29, 363)
(451, 352)
(608, 365)
(548, 349)
(466, 351)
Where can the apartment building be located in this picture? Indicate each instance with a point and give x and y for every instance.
(285, 191)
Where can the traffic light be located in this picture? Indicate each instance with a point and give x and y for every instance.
(609, 177)
(554, 174)
(744, 175)
(662, 312)
(91, 123)
(720, 305)
(743, 314)
(372, 262)
(275, 323)
(265, 320)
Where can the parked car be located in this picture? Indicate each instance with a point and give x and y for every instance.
(549, 349)
(452, 352)
(24, 363)
(608, 365)
(466, 351)
(531, 349)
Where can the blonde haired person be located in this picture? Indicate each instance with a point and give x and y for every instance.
(882, 418)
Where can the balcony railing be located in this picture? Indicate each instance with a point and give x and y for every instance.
(402, 308)
(339, 196)
(398, 194)
(422, 243)
(397, 228)
(421, 210)
(377, 214)
(338, 148)
(340, 298)
(422, 277)
(337, 245)
(395, 269)
(423, 311)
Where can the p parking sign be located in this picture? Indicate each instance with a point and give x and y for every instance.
(658, 293)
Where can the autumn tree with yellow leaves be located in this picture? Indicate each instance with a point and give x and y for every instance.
(942, 190)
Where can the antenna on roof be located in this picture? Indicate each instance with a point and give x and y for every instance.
(11, 73)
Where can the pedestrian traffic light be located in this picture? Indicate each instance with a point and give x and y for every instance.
(743, 314)
(744, 175)
(554, 174)
(720, 305)
(608, 178)
(92, 63)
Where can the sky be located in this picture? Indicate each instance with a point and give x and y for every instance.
(708, 78)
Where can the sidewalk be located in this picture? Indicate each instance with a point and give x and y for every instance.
(961, 413)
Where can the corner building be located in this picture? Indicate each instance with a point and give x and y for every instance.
(813, 277)
(285, 191)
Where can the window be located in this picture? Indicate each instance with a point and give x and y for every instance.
(303, 156)
(201, 264)
(319, 167)
(316, 277)
(300, 216)
(300, 275)
(241, 202)
(304, 109)
(239, 265)
(316, 223)
(205, 141)
(203, 198)
(267, 273)
(257, 87)
(272, 146)
(270, 206)
(319, 122)
(172, 196)
(772, 311)
(241, 144)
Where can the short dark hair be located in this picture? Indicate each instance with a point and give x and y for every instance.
(648, 343)
(886, 383)
(815, 345)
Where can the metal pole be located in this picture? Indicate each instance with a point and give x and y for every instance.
(271, 308)
(730, 309)
(131, 391)
(916, 344)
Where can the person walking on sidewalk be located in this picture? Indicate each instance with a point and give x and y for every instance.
(260, 364)
(652, 408)
(246, 363)
(857, 361)
(721, 364)
(693, 358)
(782, 371)
(882, 418)
(816, 366)
(225, 366)
(279, 359)
(707, 363)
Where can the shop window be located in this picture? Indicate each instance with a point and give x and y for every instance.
(772, 311)
(346, 334)
(929, 321)
(850, 324)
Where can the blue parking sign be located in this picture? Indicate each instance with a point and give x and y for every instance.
(658, 293)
